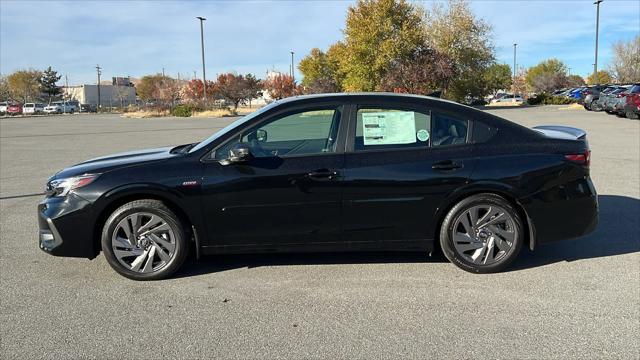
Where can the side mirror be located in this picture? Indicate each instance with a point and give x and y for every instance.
(261, 135)
(239, 153)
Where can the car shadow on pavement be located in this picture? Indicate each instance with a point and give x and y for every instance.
(616, 234)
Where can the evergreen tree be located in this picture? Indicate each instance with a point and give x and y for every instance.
(48, 82)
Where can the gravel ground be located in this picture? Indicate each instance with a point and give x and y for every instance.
(573, 299)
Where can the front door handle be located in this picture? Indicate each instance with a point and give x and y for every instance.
(446, 165)
(323, 174)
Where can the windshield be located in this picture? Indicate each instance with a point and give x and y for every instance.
(232, 126)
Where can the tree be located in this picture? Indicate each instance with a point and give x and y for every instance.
(231, 87)
(192, 90)
(498, 77)
(625, 64)
(603, 78)
(159, 88)
(456, 32)
(547, 76)
(319, 73)
(423, 72)
(574, 81)
(376, 33)
(519, 85)
(24, 84)
(4, 88)
(252, 87)
(48, 82)
(280, 86)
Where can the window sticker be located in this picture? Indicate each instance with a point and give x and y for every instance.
(389, 128)
(422, 135)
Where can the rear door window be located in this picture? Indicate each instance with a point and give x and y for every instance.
(396, 128)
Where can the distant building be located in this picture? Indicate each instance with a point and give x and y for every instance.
(110, 95)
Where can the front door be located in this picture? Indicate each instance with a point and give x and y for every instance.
(288, 194)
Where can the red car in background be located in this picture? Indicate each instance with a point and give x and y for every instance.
(14, 109)
(632, 102)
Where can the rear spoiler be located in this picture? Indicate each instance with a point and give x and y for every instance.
(561, 132)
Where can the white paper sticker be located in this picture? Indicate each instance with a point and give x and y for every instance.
(388, 128)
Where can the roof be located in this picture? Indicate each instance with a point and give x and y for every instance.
(368, 94)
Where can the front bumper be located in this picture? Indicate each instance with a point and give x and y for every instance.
(66, 227)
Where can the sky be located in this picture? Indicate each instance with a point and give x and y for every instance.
(135, 38)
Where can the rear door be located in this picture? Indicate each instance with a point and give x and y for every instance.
(401, 162)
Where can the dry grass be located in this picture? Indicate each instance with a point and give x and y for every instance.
(520, 103)
(225, 112)
(574, 106)
(144, 114)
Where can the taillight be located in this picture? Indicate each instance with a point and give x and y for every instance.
(582, 159)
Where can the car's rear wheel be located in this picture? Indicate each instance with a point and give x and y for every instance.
(144, 240)
(631, 115)
(482, 234)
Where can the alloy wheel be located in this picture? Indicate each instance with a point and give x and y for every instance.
(143, 242)
(484, 234)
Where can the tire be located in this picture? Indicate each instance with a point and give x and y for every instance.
(631, 115)
(488, 249)
(152, 257)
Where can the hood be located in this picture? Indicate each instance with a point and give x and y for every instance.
(110, 162)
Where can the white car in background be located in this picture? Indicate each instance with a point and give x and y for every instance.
(33, 108)
(508, 99)
(3, 107)
(59, 107)
(53, 108)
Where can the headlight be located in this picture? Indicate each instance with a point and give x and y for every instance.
(61, 187)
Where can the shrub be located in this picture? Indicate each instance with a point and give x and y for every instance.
(185, 110)
(546, 99)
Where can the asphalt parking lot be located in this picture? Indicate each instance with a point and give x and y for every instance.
(573, 299)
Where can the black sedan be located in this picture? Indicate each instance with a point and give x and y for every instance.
(334, 172)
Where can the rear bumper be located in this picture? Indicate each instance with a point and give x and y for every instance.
(564, 212)
(65, 227)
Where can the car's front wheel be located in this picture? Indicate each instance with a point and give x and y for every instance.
(144, 240)
(482, 234)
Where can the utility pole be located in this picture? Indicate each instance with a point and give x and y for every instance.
(162, 72)
(292, 76)
(98, 68)
(595, 64)
(204, 78)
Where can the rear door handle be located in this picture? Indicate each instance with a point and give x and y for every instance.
(323, 174)
(446, 165)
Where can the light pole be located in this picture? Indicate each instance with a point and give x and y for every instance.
(204, 78)
(595, 64)
(98, 69)
(514, 71)
(292, 76)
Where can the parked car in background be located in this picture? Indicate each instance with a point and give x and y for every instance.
(33, 108)
(14, 109)
(508, 99)
(614, 98)
(575, 93)
(589, 94)
(606, 96)
(53, 108)
(68, 107)
(3, 107)
(632, 102)
(88, 108)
